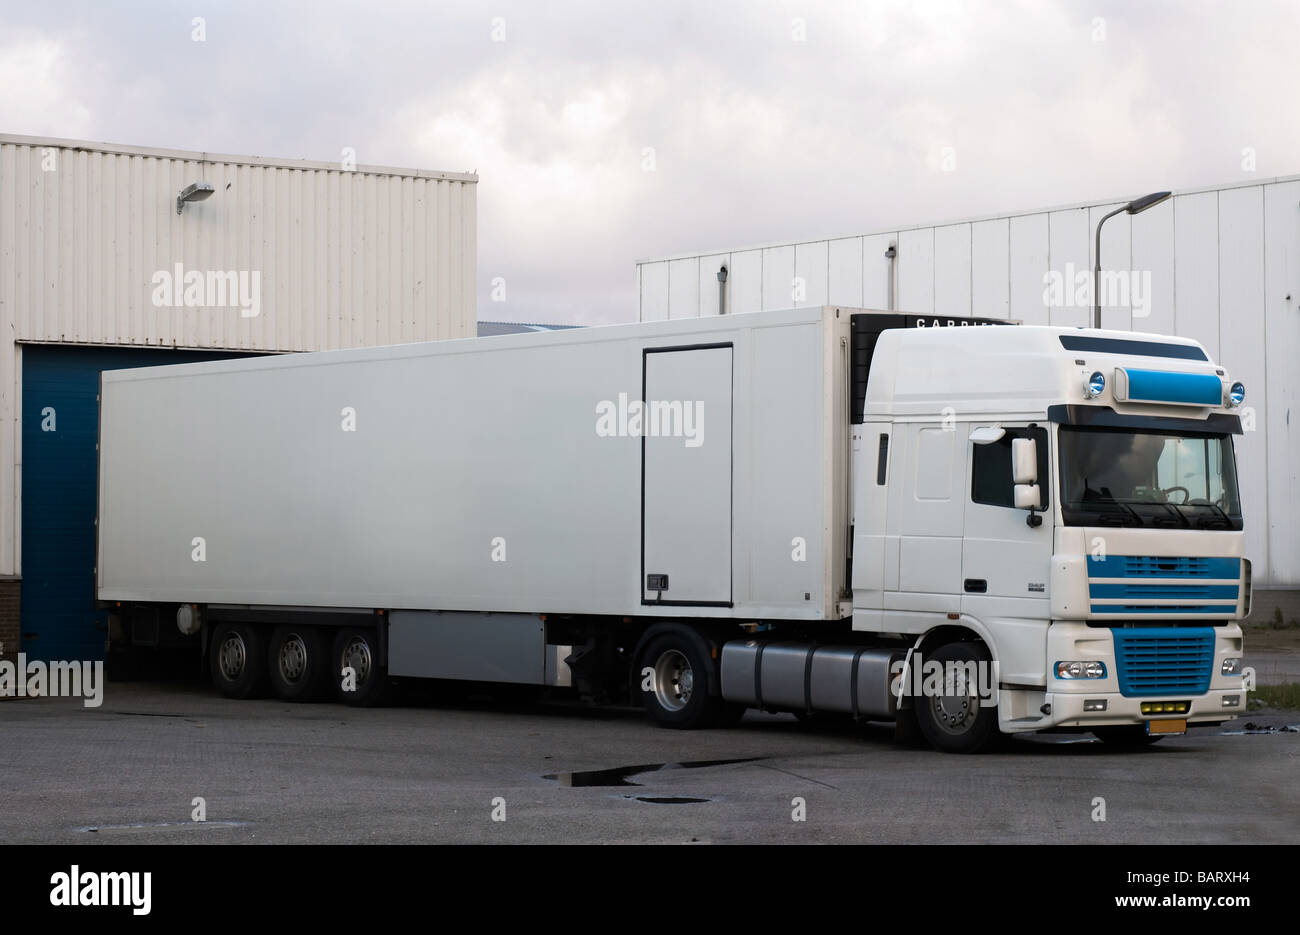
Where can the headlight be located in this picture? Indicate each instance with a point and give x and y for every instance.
(1230, 667)
(1081, 670)
(1236, 394)
(1095, 385)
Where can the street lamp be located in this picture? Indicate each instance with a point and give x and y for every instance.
(1136, 206)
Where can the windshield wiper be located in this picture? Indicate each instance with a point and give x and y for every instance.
(1177, 520)
(1204, 523)
(1110, 517)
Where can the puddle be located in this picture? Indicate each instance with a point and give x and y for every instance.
(668, 799)
(619, 775)
(1249, 728)
(161, 826)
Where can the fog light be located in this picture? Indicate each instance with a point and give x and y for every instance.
(1231, 667)
(1080, 670)
(1236, 395)
(1166, 707)
(1232, 701)
(1094, 704)
(1094, 385)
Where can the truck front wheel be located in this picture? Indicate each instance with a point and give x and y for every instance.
(957, 719)
(237, 660)
(673, 676)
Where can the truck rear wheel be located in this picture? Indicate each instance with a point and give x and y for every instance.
(957, 720)
(297, 663)
(237, 660)
(673, 674)
(357, 676)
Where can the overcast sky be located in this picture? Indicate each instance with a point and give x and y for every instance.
(768, 120)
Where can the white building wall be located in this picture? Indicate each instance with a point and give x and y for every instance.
(346, 259)
(1224, 266)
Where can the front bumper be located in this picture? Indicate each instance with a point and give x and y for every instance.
(1062, 702)
(1067, 710)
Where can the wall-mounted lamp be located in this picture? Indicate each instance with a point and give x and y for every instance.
(199, 191)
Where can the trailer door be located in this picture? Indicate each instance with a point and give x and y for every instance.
(686, 475)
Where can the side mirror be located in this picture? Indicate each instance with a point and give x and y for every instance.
(1024, 461)
(1024, 475)
(1028, 497)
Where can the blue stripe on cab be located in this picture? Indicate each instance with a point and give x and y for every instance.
(1162, 609)
(1163, 386)
(1142, 589)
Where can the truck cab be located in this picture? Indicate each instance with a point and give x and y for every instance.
(1050, 518)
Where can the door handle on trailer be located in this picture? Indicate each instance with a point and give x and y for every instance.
(977, 585)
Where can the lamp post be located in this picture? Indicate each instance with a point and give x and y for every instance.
(1136, 206)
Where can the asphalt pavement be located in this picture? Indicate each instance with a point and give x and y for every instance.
(515, 769)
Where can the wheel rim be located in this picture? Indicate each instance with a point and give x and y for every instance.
(674, 680)
(293, 658)
(232, 657)
(955, 711)
(357, 655)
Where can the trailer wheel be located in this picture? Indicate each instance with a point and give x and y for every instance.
(357, 676)
(957, 720)
(674, 673)
(237, 660)
(297, 663)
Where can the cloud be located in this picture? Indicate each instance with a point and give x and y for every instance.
(765, 120)
(40, 85)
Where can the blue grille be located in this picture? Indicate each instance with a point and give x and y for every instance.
(1163, 660)
(1159, 566)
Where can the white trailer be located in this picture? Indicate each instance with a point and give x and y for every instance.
(786, 510)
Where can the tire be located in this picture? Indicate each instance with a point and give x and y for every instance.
(358, 650)
(237, 660)
(297, 663)
(1131, 737)
(680, 664)
(958, 723)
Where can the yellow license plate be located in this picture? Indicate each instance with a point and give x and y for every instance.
(1168, 726)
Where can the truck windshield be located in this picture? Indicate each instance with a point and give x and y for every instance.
(1125, 477)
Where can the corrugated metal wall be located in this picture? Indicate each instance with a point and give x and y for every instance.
(1224, 266)
(345, 258)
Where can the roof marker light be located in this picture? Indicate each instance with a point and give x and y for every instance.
(1236, 394)
(1095, 385)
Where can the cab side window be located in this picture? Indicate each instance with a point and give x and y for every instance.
(991, 481)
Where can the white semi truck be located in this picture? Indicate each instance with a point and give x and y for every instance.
(964, 526)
